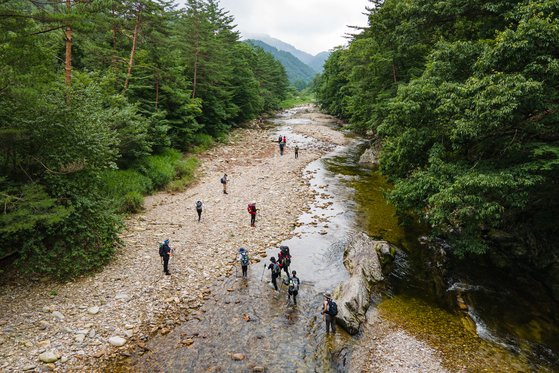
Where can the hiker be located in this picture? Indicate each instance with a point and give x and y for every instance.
(165, 254)
(281, 144)
(199, 209)
(329, 312)
(296, 151)
(252, 211)
(244, 260)
(284, 141)
(224, 182)
(276, 272)
(293, 288)
(284, 259)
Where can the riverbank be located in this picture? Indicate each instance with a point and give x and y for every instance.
(131, 298)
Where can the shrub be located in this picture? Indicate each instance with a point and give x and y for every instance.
(159, 169)
(186, 167)
(133, 202)
(202, 142)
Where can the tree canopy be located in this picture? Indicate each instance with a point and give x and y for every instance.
(92, 96)
(464, 95)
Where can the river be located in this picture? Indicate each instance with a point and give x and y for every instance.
(247, 316)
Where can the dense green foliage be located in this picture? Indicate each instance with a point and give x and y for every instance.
(94, 98)
(298, 73)
(465, 97)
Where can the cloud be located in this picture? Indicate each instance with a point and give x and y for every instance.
(310, 25)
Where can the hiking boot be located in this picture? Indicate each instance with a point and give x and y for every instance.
(168, 273)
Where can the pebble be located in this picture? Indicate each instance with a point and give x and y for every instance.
(80, 338)
(258, 368)
(49, 357)
(63, 359)
(121, 296)
(29, 367)
(58, 315)
(43, 344)
(238, 357)
(117, 341)
(93, 310)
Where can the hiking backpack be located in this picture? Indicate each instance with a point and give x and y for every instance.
(276, 270)
(222, 180)
(294, 283)
(199, 205)
(244, 258)
(161, 249)
(332, 308)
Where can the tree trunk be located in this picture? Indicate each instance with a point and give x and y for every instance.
(156, 92)
(195, 79)
(68, 36)
(133, 51)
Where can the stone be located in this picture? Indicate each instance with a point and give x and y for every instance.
(117, 341)
(43, 324)
(93, 310)
(258, 368)
(63, 359)
(49, 357)
(238, 357)
(353, 296)
(43, 344)
(91, 333)
(29, 367)
(369, 157)
(121, 296)
(80, 338)
(187, 342)
(58, 315)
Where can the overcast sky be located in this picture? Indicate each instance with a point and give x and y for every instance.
(312, 26)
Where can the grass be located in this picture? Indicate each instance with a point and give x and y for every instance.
(297, 100)
(168, 170)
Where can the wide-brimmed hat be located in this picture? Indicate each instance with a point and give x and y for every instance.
(327, 295)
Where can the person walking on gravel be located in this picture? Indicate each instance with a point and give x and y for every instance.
(244, 260)
(252, 211)
(165, 253)
(224, 182)
(296, 151)
(329, 312)
(199, 209)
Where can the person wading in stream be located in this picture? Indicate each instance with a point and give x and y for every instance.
(293, 288)
(329, 312)
(199, 209)
(224, 182)
(284, 259)
(165, 254)
(244, 260)
(252, 211)
(276, 272)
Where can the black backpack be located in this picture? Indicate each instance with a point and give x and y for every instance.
(332, 308)
(161, 250)
(222, 180)
(276, 270)
(199, 205)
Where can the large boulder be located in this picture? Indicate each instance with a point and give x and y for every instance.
(353, 296)
(370, 156)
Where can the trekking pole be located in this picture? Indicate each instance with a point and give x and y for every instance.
(264, 270)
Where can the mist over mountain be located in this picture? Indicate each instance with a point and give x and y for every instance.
(296, 70)
(315, 62)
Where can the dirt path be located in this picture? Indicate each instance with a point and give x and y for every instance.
(129, 297)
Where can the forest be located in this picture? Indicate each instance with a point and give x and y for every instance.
(99, 100)
(463, 95)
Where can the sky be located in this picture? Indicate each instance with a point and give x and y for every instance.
(312, 26)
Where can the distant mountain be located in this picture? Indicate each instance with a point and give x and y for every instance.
(295, 69)
(316, 62)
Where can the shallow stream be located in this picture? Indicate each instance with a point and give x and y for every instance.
(247, 316)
